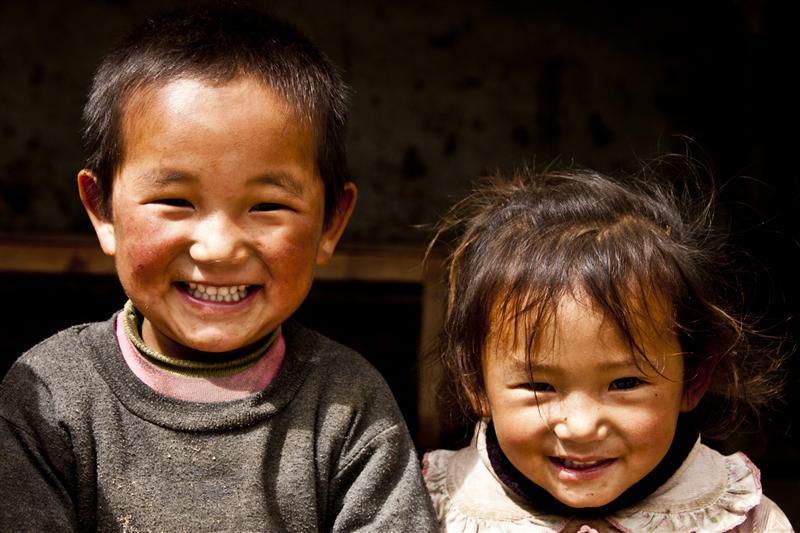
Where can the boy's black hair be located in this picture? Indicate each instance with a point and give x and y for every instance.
(628, 245)
(217, 44)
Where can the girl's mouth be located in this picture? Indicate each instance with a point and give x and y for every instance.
(217, 293)
(580, 467)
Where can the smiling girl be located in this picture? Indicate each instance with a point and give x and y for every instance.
(586, 332)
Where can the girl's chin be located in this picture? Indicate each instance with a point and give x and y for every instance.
(583, 498)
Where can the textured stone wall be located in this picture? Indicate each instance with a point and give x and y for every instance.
(442, 92)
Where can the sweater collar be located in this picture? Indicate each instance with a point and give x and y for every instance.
(303, 348)
(222, 366)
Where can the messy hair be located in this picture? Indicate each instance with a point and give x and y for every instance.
(523, 244)
(217, 45)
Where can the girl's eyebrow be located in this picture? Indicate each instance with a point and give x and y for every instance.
(606, 366)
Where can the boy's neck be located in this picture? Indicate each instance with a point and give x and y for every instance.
(184, 360)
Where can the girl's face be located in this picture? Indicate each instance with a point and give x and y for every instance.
(590, 423)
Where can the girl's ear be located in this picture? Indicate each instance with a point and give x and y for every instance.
(480, 405)
(90, 197)
(697, 384)
(333, 231)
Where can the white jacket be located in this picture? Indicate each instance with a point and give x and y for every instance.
(710, 493)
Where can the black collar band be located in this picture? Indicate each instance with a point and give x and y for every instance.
(540, 499)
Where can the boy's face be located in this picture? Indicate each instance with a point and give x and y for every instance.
(590, 423)
(218, 208)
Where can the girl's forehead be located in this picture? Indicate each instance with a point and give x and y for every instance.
(538, 330)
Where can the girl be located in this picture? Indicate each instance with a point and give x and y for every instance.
(586, 330)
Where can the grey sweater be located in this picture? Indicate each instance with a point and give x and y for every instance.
(86, 446)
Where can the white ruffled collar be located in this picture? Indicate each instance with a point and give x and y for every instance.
(709, 493)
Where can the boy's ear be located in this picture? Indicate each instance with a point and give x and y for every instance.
(333, 232)
(90, 196)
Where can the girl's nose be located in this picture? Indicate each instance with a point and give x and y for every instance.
(217, 240)
(578, 418)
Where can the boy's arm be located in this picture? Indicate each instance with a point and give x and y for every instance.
(35, 460)
(380, 488)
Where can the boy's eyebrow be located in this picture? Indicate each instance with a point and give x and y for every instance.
(282, 180)
(166, 178)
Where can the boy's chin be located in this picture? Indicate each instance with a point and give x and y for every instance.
(209, 350)
(204, 349)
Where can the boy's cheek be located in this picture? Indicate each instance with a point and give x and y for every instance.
(147, 252)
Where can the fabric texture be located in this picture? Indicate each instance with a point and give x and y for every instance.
(709, 493)
(86, 446)
(179, 386)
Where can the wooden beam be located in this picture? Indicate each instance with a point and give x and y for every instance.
(82, 255)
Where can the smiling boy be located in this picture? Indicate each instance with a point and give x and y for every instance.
(216, 179)
(239, 203)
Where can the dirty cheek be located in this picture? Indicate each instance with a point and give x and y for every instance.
(295, 244)
(147, 249)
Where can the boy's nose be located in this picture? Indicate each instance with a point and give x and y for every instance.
(578, 418)
(217, 240)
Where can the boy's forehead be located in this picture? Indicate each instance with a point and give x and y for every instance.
(185, 92)
(236, 104)
(216, 145)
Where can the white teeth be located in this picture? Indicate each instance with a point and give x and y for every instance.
(579, 464)
(211, 293)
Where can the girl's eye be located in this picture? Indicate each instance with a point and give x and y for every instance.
(174, 202)
(625, 383)
(540, 386)
(268, 206)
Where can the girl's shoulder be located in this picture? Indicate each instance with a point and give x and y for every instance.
(711, 492)
(467, 496)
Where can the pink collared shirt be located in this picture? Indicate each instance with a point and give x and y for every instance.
(251, 380)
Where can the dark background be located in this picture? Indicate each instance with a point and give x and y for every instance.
(443, 92)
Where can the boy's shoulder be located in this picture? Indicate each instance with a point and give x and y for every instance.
(54, 377)
(66, 351)
(327, 371)
(334, 360)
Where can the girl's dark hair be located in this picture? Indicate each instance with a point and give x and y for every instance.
(525, 243)
(217, 44)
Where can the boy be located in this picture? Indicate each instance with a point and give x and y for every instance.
(216, 178)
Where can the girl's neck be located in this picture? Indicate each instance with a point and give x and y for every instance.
(540, 499)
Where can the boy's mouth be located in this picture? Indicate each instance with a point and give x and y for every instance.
(216, 293)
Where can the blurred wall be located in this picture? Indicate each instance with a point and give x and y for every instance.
(442, 92)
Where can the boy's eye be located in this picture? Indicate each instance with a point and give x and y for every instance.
(625, 383)
(174, 202)
(268, 206)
